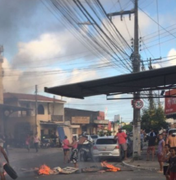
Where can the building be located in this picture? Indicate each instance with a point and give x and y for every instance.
(81, 121)
(43, 115)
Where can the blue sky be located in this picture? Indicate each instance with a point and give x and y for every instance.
(39, 49)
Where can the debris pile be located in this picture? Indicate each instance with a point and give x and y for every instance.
(46, 170)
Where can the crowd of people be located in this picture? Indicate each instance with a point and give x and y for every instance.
(166, 151)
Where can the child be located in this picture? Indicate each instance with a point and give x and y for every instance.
(160, 153)
(172, 164)
(74, 153)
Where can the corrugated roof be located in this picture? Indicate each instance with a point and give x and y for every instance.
(30, 97)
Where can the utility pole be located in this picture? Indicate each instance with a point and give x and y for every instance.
(135, 57)
(36, 108)
(150, 91)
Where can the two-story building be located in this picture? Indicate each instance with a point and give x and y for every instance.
(43, 116)
(80, 121)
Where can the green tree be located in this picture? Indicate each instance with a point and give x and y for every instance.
(128, 127)
(153, 118)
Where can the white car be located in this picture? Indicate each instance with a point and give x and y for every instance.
(106, 147)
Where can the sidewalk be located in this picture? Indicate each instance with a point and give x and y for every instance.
(143, 164)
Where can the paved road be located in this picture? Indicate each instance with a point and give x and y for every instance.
(53, 158)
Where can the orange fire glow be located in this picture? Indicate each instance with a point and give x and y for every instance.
(44, 170)
(110, 167)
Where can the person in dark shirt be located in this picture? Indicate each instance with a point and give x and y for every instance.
(151, 138)
(172, 164)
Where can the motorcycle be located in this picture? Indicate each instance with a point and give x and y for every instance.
(86, 151)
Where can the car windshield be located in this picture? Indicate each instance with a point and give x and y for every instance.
(106, 141)
(94, 136)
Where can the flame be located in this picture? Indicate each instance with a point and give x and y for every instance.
(110, 167)
(44, 170)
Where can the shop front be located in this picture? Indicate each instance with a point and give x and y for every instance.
(101, 126)
(82, 123)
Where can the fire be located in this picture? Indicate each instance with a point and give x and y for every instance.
(110, 167)
(44, 170)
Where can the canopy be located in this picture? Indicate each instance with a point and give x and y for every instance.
(158, 79)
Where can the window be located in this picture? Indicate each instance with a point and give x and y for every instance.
(74, 131)
(106, 141)
(41, 109)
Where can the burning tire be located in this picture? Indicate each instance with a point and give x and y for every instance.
(10, 171)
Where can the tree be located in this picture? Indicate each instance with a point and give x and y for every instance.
(128, 127)
(153, 118)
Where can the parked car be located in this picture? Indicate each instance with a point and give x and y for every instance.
(106, 147)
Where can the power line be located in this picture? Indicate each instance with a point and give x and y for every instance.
(158, 27)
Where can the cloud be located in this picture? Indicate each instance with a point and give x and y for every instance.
(172, 57)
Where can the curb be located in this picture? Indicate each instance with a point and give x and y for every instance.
(137, 167)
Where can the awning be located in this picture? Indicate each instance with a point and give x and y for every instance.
(158, 79)
(7, 107)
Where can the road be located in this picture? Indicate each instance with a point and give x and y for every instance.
(54, 157)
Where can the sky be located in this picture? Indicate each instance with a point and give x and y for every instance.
(41, 48)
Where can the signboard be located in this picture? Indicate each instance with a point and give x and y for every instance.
(170, 102)
(138, 104)
(105, 122)
(80, 120)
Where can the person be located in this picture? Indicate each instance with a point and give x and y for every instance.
(66, 149)
(74, 152)
(172, 164)
(171, 140)
(166, 157)
(151, 137)
(81, 141)
(27, 142)
(2, 176)
(36, 142)
(121, 137)
(160, 153)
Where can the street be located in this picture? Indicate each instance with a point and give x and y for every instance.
(53, 157)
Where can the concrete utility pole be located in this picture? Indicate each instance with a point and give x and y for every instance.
(150, 92)
(136, 68)
(36, 108)
(135, 57)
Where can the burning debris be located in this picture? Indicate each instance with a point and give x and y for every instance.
(46, 170)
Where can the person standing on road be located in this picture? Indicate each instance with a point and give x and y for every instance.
(171, 140)
(121, 137)
(2, 176)
(66, 149)
(74, 152)
(36, 142)
(172, 164)
(151, 144)
(28, 141)
(160, 153)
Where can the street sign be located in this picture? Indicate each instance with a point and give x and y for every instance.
(138, 104)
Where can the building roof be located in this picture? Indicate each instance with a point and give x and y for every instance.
(158, 79)
(30, 97)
